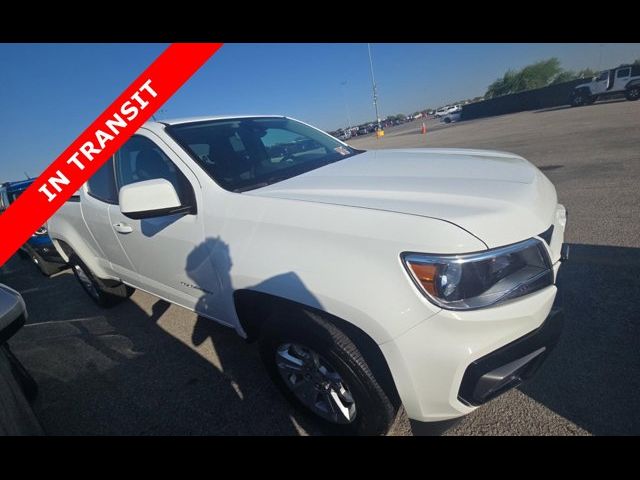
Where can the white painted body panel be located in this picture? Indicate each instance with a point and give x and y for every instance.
(480, 191)
(332, 239)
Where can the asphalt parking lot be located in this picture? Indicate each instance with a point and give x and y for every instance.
(149, 368)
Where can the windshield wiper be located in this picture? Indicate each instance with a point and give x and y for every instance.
(251, 187)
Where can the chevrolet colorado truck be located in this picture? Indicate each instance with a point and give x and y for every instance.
(370, 279)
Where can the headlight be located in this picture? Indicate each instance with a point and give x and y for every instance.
(477, 280)
(41, 231)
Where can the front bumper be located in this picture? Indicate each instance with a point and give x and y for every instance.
(449, 364)
(509, 366)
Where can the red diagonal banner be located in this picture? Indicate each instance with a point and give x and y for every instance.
(98, 142)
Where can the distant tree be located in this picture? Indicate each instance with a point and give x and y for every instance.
(536, 75)
(586, 73)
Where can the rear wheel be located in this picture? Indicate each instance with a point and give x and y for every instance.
(321, 371)
(101, 294)
(633, 93)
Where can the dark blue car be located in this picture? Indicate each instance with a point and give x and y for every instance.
(39, 247)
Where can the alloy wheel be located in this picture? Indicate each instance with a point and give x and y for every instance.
(316, 383)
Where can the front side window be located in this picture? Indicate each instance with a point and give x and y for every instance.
(247, 153)
(623, 73)
(140, 159)
(102, 184)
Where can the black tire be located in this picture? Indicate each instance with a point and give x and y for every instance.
(579, 100)
(103, 295)
(447, 120)
(375, 413)
(46, 268)
(633, 93)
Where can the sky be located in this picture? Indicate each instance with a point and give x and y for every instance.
(49, 93)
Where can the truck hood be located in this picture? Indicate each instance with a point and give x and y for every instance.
(498, 197)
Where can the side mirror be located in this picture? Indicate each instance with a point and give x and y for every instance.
(151, 198)
(12, 313)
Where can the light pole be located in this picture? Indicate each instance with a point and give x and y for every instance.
(600, 57)
(375, 93)
(346, 103)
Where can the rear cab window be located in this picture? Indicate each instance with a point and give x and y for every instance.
(102, 184)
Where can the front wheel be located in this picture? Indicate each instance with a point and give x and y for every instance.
(579, 100)
(321, 371)
(633, 93)
(100, 293)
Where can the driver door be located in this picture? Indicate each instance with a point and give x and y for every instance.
(622, 78)
(161, 247)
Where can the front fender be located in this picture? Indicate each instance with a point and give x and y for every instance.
(341, 260)
(582, 90)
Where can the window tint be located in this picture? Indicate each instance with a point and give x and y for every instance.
(247, 153)
(602, 76)
(623, 73)
(102, 184)
(140, 159)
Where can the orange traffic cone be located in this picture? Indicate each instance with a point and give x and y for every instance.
(424, 128)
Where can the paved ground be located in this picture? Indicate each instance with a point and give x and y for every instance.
(145, 367)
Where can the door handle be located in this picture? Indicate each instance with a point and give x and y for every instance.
(122, 228)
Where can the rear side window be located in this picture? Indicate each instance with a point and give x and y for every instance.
(102, 185)
(623, 73)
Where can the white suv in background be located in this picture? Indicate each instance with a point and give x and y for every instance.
(370, 279)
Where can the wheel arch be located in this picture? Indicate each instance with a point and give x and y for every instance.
(66, 252)
(632, 84)
(253, 308)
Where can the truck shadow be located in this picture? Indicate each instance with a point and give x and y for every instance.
(141, 368)
(592, 378)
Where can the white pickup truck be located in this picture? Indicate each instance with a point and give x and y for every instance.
(371, 279)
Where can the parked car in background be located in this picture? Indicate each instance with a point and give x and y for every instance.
(370, 279)
(17, 386)
(622, 80)
(39, 247)
(344, 133)
(441, 112)
(452, 117)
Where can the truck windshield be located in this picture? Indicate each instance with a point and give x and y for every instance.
(247, 153)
